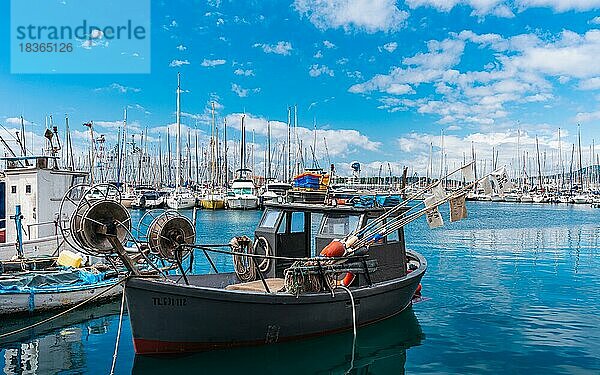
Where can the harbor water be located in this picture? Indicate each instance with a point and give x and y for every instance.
(512, 289)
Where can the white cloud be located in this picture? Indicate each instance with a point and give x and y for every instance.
(176, 63)
(590, 84)
(17, 121)
(181, 47)
(242, 92)
(560, 5)
(243, 72)
(328, 44)
(340, 142)
(367, 15)
(505, 8)
(519, 73)
(390, 47)
(316, 70)
(119, 88)
(318, 55)
(211, 63)
(587, 116)
(414, 148)
(281, 48)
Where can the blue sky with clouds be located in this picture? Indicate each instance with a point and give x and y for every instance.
(381, 79)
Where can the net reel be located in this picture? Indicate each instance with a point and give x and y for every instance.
(165, 231)
(89, 215)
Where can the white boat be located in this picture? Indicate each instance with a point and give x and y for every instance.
(38, 291)
(496, 197)
(149, 200)
(526, 198)
(513, 196)
(181, 199)
(37, 188)
(540, 198)
(242, 195)
(274, 189)
(582, 199)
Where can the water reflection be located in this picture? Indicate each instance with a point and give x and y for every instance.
(380, 348)
(55, 346)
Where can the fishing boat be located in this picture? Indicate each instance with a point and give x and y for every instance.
(384, 284)
(29, 292)
(34, 188)
(310, 270)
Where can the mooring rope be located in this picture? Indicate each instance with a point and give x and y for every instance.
(95, 296)
(114, 361)
(353, 326)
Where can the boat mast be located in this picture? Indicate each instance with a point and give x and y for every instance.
(212, 150)
(225, 150)
(178, 150)
(242, 147)
(288, 171)
(537, 146)
(560, 162)
(268, 150)
(580, 162)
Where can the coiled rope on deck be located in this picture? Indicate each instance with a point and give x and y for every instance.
(96, 296)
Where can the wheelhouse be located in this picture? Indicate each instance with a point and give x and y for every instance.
(297, 230)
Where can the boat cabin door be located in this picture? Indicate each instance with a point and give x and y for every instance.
(288, 234)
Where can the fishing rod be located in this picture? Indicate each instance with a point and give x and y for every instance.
(402, 221)
(360, 231)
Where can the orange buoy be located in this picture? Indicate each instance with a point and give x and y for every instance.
(348, 279)
(334, 249)
(341, 201)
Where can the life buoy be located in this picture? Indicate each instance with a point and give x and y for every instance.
(336, 249)
(348, 279)
(418, 291)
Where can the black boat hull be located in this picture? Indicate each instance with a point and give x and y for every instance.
(171, 318)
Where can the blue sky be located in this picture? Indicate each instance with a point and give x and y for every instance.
(381, 79)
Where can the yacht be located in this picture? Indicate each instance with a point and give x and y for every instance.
(242, 195)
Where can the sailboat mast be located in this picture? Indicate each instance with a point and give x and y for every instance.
(268, 150)
(580, 161)
(225, 151)
(288, 172)
(243, 146)
(178, 147)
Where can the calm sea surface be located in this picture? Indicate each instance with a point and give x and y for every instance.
(514, 289)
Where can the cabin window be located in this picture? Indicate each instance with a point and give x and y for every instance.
(339, 225)
(297, 222)
(282, 227)
(269, 219)
(28, 189)
(13, 189)
(393, 237)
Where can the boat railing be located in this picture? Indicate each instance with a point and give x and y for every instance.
(318, 264)
(53, 222)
